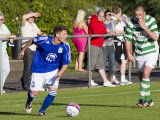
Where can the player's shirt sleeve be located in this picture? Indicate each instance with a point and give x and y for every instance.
(66, 54)
(66, 58)
(128, 33)
(153, 27)
(40, 40)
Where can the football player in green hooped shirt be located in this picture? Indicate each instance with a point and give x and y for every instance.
(142, 30)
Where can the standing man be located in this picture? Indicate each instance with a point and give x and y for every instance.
(88, 17)
(51, 59)
(108, 46)
(143, 31)
(97, 26)
(120, 51)
(28, 29)
(4, 33)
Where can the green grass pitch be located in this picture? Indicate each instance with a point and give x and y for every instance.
(101, 103)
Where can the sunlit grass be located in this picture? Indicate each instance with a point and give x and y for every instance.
(102, 103)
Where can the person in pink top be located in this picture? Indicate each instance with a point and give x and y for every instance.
(80, 28)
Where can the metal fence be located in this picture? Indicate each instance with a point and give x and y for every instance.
(71, 36)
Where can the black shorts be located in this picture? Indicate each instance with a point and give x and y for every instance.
(119, 50)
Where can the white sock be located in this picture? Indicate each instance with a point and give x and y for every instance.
(114, 77)
(123, 78)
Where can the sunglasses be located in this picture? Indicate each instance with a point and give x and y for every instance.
(32, 17)
(108, 14)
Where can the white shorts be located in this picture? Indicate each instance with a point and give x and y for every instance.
(40, 81)
(146, 60)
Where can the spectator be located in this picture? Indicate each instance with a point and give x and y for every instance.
(143, 31)
(121, 56)
(97, 26)
(4, 33)
(88, 17)
(108, 46)
(28, 29)
(80, 28)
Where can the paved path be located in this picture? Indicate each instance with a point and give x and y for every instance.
(74, 80)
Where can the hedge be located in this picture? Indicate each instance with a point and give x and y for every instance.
(53, 12)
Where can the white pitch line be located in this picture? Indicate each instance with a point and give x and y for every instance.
(122, 93)
(82, 96)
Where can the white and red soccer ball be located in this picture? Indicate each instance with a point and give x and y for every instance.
(72, 109)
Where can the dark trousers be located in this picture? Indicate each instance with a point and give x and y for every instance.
(27, 61)
(119, 50)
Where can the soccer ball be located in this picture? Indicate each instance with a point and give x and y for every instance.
(72, 109)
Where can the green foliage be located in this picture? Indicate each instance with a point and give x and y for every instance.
(53, 12)
(63, 12)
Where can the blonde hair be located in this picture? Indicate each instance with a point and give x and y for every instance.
(80, 16)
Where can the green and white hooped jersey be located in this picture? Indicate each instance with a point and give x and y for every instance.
(143, 43)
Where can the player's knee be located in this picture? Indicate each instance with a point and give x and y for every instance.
(33, 94)
(53, 92)
(54, 88)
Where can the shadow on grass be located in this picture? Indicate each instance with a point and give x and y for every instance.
(13, 113)
(99, 105)
(94, 105)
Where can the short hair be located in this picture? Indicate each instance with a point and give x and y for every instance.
(140, 7)
(106, 12)
(1, 14)
(116, 10)
(99, 11)
(58, 29)
(89, 15)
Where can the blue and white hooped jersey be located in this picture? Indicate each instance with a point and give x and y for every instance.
(49, 57)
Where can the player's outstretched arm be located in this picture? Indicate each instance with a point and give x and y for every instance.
(21, 54)
(29, 15)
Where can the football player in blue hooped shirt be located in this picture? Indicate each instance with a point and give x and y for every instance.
(51, 59)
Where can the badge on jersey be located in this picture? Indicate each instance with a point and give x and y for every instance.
(60, 50)
(51, 57)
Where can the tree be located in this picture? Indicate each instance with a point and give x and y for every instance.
(53, 12)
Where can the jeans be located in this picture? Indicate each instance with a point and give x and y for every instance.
(109, 54)
(27, 61)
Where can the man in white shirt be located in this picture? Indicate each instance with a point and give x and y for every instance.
(121, 56)
(4, 33)
(28, 29)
